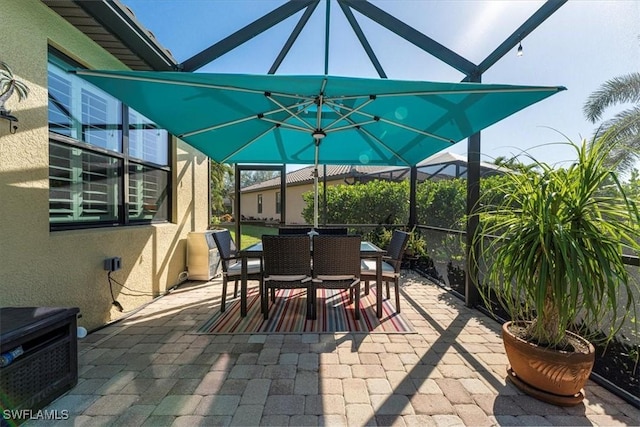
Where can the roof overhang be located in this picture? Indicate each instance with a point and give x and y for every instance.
(115, 28)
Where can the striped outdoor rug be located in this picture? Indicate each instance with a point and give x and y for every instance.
(288, 315)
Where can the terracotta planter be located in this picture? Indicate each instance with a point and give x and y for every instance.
(550, 375)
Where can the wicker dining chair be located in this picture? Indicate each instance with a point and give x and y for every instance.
(336, 265)
(341, 231)
(390, 265)
(293, 230)
(287, 265)
(232, 264)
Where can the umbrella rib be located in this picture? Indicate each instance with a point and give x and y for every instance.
(370, 135)
(168, 81)
(221, 125)
(358, 126)
(488, 90)
(421, 132)
(182, 83)
(353, 125)
(293, 114)
(243, 146)
(336, 107)
(226, 124)
(400, 125)
(287, 95)
(235, 122)
(284, 125)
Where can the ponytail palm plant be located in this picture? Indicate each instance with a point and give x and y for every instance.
(555, 257)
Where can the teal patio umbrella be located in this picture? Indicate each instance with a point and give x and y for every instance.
(239, 118)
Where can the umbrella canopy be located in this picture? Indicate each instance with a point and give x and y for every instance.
(235, 118)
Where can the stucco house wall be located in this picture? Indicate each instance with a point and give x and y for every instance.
(65, 268)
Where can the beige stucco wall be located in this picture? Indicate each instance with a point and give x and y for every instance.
(65, 268)
(295, 202)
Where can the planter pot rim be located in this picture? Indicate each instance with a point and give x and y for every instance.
(505, 328)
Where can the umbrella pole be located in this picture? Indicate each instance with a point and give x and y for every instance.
(315, 188)
(317, 134)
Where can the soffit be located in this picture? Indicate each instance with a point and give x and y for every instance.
(115, 28)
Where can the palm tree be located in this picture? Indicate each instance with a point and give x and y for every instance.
(512, 163)
(221, 186)
(626, 124)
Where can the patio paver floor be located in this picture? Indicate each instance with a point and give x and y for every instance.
(150, 370)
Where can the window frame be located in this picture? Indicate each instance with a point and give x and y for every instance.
(259, 209)
(124, 158)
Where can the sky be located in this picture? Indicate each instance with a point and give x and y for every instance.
(582, 45)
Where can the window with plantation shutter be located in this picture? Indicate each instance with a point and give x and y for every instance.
(60, 120)
(94, 157)
(62, 175)
(101, 122)
(99, 198)
(146, 140)
(83, 185)
(147, 193)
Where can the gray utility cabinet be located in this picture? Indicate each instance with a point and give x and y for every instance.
(49, 365)
(203, 259)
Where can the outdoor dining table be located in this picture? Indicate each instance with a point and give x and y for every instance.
(367, 251)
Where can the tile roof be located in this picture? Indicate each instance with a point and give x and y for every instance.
(305, 175)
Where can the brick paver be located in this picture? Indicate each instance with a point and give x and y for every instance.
(150, 370)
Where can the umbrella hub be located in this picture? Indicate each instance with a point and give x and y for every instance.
(318, 134)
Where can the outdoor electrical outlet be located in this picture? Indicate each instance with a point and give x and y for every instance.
(113, 264)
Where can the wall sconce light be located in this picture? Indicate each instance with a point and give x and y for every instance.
(13, 121)
(350, 180)
(352, 176)
(519, 52)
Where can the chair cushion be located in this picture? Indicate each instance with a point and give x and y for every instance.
(368, 267)
(253, 267)
(322, 277)
(287, 278)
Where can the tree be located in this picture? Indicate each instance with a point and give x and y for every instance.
(512, 163)
(248, 178)
(221, 186)
(624, 125)
(376, 202)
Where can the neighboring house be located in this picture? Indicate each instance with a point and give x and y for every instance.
(263, 200)
(85, 178)
(442, 165)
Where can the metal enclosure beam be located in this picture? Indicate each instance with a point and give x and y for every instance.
(245, 34)
(541, 15)
(412, 35)
(238, 205)
(471, 293)
(363, 40)
(292, 37)
(413, 200)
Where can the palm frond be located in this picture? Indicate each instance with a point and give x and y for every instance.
(618, 90)
(623, 132)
